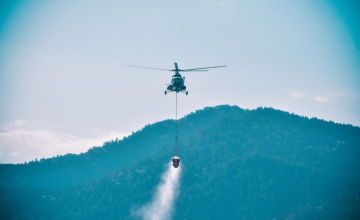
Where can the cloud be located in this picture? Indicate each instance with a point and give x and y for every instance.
(297, 95)
(306, 95)
(20, 145)
(20, 123)
(321, 99)
(17, 124)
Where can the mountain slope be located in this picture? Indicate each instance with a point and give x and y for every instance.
(72, 170)
(258, 164)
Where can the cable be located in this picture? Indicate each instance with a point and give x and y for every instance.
(176, 147)
(176, 117)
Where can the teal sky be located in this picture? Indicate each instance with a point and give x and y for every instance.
(64, 84)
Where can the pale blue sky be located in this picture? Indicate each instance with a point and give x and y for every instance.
(63, 71)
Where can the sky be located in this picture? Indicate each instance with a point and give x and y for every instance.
(65, 86)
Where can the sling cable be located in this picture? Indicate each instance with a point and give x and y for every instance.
(176, 155)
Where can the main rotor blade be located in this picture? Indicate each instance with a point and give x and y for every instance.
(149, 68)
(194, 70)
(201, 68)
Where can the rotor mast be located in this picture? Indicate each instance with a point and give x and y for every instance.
(176, 70)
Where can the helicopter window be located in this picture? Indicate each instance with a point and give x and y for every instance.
(177, 80)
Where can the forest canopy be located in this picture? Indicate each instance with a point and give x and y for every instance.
(237, 164)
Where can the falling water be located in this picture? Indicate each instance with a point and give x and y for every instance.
(162, 205)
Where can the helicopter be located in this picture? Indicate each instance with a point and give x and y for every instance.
(177, 83)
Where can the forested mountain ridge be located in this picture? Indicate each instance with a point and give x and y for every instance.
(236, 164)
(71, 169)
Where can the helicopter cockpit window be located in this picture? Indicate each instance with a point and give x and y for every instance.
(177, 80)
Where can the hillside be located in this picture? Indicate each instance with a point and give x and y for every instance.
(72, 170)
(236, 164)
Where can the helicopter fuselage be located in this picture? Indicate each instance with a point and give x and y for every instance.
(177, 84)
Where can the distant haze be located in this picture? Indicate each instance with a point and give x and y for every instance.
(65, 86)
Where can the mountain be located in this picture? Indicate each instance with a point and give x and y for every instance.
(236, 164)
(72, 170)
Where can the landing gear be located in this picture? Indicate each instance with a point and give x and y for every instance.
(165, 92)
(187, 92)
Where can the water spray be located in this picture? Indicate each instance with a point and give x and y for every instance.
(162, 205)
